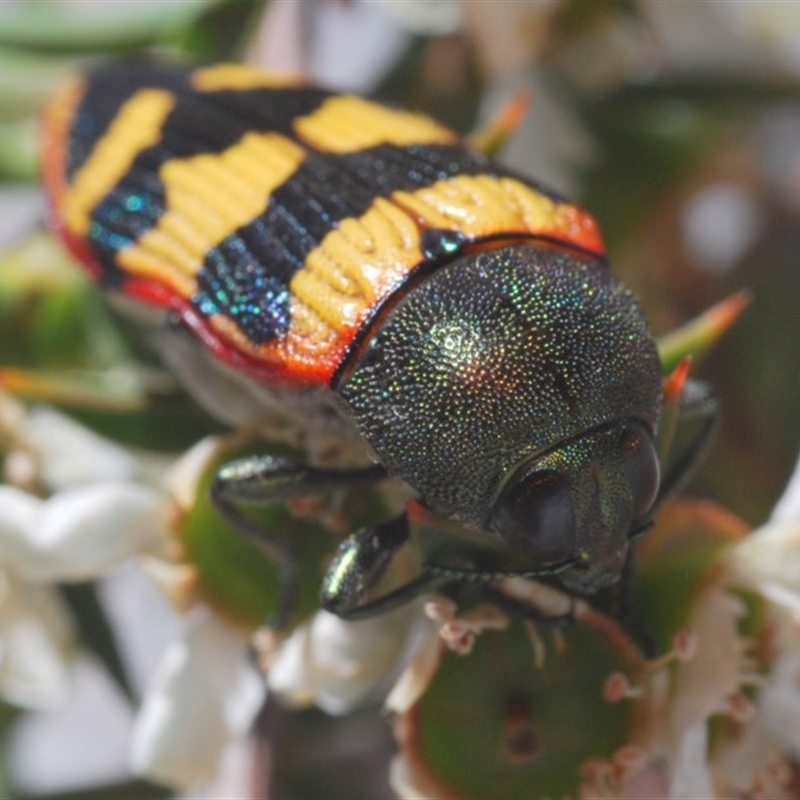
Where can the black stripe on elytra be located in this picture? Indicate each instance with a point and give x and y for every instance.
(108, 88)
(200, 122)
(324, 190)
(131, 209)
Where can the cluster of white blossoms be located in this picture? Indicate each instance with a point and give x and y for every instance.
(73, 505)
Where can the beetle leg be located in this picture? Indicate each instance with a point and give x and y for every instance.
(624, 608)
(364, 557)
(361, 561)
(697, 420)
(260, 480)
(264, 479)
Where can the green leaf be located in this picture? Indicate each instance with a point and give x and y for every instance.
(51, 315)
(19, 157)
(698, 335)
(27, 79)
(96, 26)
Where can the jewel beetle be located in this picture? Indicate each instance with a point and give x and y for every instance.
(358, 268)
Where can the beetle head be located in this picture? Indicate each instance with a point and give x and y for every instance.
(517, 391)
(580, 503)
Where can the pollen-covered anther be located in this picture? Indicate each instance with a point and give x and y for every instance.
(774, 782)
(595, 769)
(596, 775)
(779, 772)
(740, 708)
(458, 636)
(617, 687)
(440, 609)
(603, 778)
(627, 760)
(459, 633)
(684, 647)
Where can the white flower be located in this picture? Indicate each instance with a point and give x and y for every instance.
(53, 450)
(73, 535)
(35, 636)
(107, 504)
(339, 665)
(722, 674)
(203, 696)
(768, 563)
(706, 683)
(78, 533)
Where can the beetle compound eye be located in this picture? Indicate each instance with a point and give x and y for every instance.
(536, 516)
(641, 464)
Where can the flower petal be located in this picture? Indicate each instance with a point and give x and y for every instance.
(338, 664)
(20, 513)
(407, 781)
(416, 677)
(690, 774)
(35, 636)
(72, 455)
(749, 760)
(706, 681)
(779, 702)
(78, 533)
(185, 474)
(787, 509)
(769, 561)
(84, 742)
(204, 694)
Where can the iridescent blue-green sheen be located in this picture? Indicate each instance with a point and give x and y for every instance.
(496, 357)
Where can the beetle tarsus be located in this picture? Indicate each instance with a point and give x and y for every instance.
(264, 479)
(276, 551)
(358, 567)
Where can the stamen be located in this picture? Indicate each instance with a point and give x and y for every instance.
(617, 687)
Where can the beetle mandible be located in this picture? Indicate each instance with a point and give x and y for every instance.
(360, 268)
